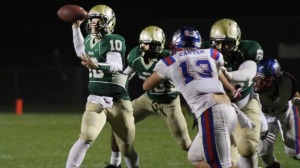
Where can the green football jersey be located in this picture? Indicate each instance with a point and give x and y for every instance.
(164, 92)
(247, 50)
(101, 81)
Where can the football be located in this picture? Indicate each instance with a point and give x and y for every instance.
(71, 13)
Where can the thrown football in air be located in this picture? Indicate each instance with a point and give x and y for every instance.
(71, 13)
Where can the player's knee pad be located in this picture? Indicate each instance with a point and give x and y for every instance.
(262, 148)
(246, 148)
(90, 126)
(88, 137)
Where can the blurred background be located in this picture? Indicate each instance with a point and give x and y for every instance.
(39, 65)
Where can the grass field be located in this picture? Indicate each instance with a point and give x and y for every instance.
(43, 140)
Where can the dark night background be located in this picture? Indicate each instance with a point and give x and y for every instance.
(38, 62)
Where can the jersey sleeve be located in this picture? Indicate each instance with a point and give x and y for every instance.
(133, 54)
(246, 72)
(78, 42)
(161, 69)
(218, 57)
(252, 50)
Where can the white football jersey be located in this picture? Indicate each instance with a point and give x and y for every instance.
(195, 73)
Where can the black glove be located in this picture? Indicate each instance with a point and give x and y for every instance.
(267, 137)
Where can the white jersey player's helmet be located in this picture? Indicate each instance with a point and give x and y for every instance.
(186, 37)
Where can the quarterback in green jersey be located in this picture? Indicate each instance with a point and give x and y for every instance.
(103, 53)
(164, 99)
(241, 57)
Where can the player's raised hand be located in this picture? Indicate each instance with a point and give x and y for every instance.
(77, 23)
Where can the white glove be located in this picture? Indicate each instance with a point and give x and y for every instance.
(227, 74)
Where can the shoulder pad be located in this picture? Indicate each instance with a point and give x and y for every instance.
(133, 55)
(251, 50)
(113, 36)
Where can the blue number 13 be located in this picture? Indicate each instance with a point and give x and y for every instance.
(203, 66)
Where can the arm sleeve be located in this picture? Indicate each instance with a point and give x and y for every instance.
(78, 42)
(113, 62)
(129, 71)
(160, 68)
(246, 71)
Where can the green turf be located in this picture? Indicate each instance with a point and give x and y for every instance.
(43, 140)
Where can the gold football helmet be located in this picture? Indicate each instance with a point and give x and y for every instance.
(153, 36)
(107, 21)
(225, 35)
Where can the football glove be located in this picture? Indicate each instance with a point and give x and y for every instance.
(267, 137)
